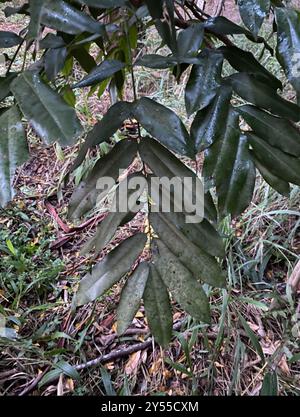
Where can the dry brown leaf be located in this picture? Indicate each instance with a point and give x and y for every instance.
(133, 363)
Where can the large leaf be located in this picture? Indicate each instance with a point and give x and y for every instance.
(186, 290)
(85, 196)
(103, 130)
(204, 81)
(210, 123)
(5, 83)
(244, 61)
(110, 270)
(36, 11)
(202, 265)
(158, 308)
(9, 39)
(54, 61)
(280, 164)
(189, 40)
(283, 187)
(288, 43)
(13, 150)
(108, 227)
(276, 131)
(163, 124)
(48, 113)
(269, 385)
(131, 296)
(228, 161)
(105, 70)
(258, 92)
(156, 61)
(59, 15)
(253, 13)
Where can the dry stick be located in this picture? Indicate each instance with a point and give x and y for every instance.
(122, 352)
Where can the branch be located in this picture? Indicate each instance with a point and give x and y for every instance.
(294, 279)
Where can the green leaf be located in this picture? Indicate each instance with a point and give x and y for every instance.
(85, 60)
(269, 385)
(9, 39)
(200, 264)
(288, 43)
(253, 338)
(61, 367)
(35, 10)
(244, 61)
(13, 150)
(110, 270)
(155, 8)
(52, 41)
(85, 196)
(220, 25)
(108, 227)
(54, 61)
(23, 9)
(156, 61)
(204, 81)
(202, 234)
(228, 161)
(163, 124)
(253, 13)
(209, 124)
(258, 92)
(5, 83)
(280, 164)
(103, 130)
(105, 70)
(281, 186)
(158, 308)
(131, 296)
(189, 40)
(186, 290)
(61, 16)
(276, 131)
(48, 113)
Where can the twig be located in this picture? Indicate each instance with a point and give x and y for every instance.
(34, 383)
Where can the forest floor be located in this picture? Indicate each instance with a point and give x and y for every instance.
(40, 267)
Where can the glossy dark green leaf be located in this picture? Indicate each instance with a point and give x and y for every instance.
(5, 83)
(220, 25)
(155, 8)
(244, 61)
(269, 385)
(210, 123)
(46, 111)
(85, 196)
(131, 296)
(163, 124)
(13, 151)
(158, 308)
(258, 92)
(280, 164)
(36, 11)
(105, 70)
(51, 41)
(189, 40)
(103, 130)
(9, 39)
(85, 60)
(288, 43)
(204, 81)
(110, 269)
(186, 290)
(54, 61)
(278, 184)
(228, 161)
(201, 265)
(276, 131)
(10, 11)
(253, 13)
(156, 61)
(59, 15)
